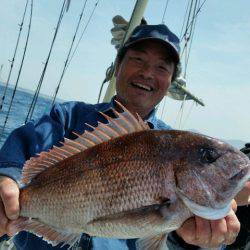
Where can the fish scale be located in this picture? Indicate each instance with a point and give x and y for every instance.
(123, 180)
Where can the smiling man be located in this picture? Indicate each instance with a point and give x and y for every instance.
(146, 66)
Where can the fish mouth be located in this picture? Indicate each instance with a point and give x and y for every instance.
(242, 174)
(142, 86)
(208, 213)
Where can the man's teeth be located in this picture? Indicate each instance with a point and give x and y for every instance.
(142, 86)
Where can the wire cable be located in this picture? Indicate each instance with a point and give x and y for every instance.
(90, 17)
(164, 13)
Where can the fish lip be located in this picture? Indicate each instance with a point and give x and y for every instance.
(134, 84)
(208, 213)
(239, 175)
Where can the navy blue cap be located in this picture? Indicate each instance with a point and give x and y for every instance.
(159, 33)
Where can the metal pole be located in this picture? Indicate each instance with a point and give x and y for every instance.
(135, 20)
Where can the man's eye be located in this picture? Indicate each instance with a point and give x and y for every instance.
(138, 59)
(162, 68)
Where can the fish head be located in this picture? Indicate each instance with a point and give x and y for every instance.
(208, 174)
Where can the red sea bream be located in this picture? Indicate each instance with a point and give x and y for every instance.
(123, 180)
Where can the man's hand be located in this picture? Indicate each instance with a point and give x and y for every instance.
(9, 203)
(210, 233)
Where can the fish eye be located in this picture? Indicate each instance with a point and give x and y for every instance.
(208, 155)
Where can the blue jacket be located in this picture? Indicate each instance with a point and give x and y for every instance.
(34, 137)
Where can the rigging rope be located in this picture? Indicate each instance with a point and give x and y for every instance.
(180, 113)
(69, 53)
(187, 38)
(14, 56)
(184, 19)
(164, 13)
(188, 114)
(20, 69)
(35, 97)
(197, 12)
(91, 15)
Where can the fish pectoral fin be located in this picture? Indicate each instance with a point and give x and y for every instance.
(52, 235)
(153, 242)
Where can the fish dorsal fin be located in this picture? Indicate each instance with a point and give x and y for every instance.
(124, 123)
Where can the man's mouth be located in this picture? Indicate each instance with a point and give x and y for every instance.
(142, 86)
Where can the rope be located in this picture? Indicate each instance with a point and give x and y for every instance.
(35, 97)
(180, 113)
(109, 73)
(164, 13)
(67, 59)
(199, 9)
(187, 39)
(92, 13)
(20, 69)
(189, 112)
(14, 56)
(184, 19)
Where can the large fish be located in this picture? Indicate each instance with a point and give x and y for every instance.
(123, 180)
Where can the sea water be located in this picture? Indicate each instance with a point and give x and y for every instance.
(19, 109)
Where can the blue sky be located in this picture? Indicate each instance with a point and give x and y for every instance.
(218, 69)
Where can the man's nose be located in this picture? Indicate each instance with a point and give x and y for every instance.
(147, 71)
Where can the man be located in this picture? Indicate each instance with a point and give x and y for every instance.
(146, 66)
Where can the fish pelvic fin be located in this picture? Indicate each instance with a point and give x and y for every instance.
(124, 123)
(153, 242)
(52, 235)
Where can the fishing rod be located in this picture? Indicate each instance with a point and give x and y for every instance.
(35, 97)
(69, 53)
(19, 71)
(14, 56)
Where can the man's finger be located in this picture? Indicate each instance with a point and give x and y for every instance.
(203, 231)
(219, 230)
(3, 220)
(187, 231)
(233, 228)
(9, 193)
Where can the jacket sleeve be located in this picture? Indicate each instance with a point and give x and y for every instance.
(32, 138)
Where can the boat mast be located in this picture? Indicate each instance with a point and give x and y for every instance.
(135, 20)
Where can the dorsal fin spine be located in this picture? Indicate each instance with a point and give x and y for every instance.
(89, 139)
(123, 131)
(76, 144)
(64, 151)
(93, 135)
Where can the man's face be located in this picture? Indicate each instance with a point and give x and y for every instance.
(143, 76)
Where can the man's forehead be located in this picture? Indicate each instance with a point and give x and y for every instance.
(144, 46)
